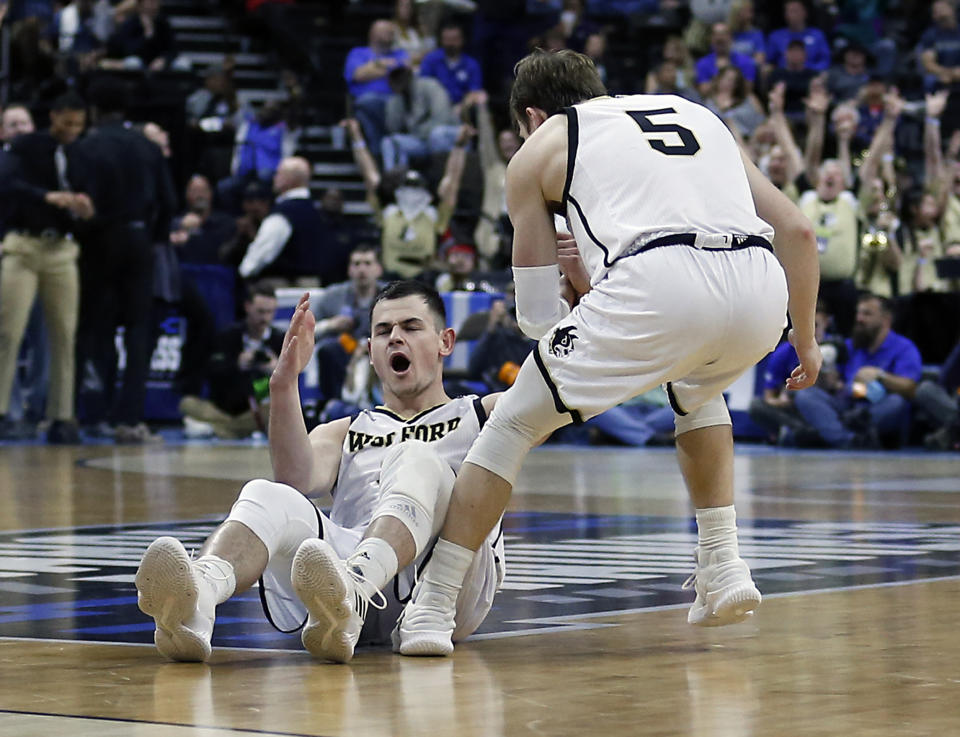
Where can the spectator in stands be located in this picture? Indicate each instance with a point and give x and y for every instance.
(15, 120)
(939, 47)
(817, 48)
(832, 209)
(339, 234)
(81, 30)
(262, 141)
(880, 376)
(419, 119)
(748, 40)
(256, 202)
(783, 163)
(663, 81)
(595, 48)
(135, 195)
(774, 409)
(286, 244)
(880, 256)
(939, 401)
(213, 118)
(575, 26)
(459, 264)
(844, 81)
(343, 318)
(50, 185)
(144, 40)
(241, 362)
(732, 101)
(410, 225)
(721, 57)
(871, 110)
(922, 244)
(201, 233)
(458, 72)
(494, 232)
(409, 36)
(796, 75)
(366, 70)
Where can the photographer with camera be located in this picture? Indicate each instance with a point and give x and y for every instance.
(238, 373)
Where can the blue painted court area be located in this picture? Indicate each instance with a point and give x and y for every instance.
(563, 570)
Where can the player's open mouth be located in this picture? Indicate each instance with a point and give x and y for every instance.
(399, 363)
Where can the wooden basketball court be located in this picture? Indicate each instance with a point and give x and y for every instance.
(858, 556)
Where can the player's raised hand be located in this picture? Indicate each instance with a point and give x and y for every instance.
(806, 373)
(297, 345)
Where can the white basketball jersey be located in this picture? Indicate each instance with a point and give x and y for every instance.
(450, 428)
(645, 166)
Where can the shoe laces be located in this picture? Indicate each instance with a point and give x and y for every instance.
(692, 578)
(361, 585)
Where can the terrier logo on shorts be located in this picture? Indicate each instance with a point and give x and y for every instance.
(561, 342)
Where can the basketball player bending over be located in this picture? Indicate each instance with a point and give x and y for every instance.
(677, 283)
(391, 471)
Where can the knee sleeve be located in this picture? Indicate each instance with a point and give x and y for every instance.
(713, 412)
(278, 514)
(415, 488)
(523, 416)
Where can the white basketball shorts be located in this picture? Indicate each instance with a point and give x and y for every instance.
(694, 320)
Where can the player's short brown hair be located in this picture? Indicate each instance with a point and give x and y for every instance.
(553, 81)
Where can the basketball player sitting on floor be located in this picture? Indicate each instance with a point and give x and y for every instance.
(391, 471)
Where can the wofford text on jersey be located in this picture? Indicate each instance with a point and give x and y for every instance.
(428, 433)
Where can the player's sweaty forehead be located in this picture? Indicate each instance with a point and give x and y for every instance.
(408, 312)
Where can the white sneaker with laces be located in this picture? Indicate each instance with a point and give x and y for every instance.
(726, 593)
(335, 598)
(183, 606)
(427, 624)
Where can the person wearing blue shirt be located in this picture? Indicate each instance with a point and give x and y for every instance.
(939, 47)
(773, 409)
(881, 378)
(707, 66)
(365, 71)
(747, 38)
(458, 73)
(818, 50)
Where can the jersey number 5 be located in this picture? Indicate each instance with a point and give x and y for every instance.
(689, 144)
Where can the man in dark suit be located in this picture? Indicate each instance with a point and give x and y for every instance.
(117, 270)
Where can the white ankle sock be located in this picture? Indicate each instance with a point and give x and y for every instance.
(219, 574)
(377, 561)
(717, 528)
(448, 566)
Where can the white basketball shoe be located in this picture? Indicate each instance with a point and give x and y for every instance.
(427, 624)
(336, 598)
(726, 593)
(172, 591)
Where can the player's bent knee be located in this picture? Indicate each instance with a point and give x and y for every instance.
(416, 484)
(711, 413)
(523, 416)
(274, 512)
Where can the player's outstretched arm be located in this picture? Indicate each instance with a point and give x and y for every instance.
(796, 248)
(303, 462)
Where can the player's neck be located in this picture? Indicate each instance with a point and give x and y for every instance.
(411, 406)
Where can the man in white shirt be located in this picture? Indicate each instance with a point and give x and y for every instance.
(286, 245)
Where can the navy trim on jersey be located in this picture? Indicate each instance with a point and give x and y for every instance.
(586, 226)
(738, 242)
(557, 401)
(573, 139)
(263, 592)
(674, 404)
(481, 412)
(398, 418)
